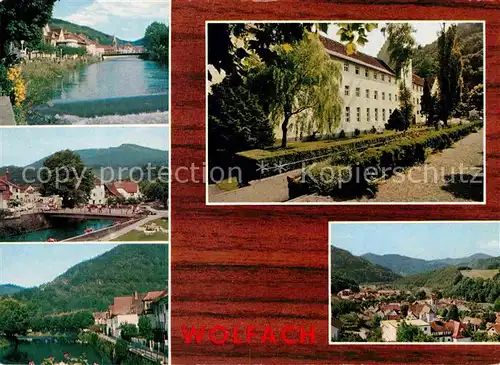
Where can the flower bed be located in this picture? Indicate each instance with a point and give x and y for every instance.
(360, 171)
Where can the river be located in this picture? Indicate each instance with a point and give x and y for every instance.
(124, 90)
(63, 230)
(37, 351)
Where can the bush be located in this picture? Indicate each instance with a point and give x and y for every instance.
(373, 130)
(357, 132)
(236, 122)
(342, 134)
(5, 84)
(397, 121)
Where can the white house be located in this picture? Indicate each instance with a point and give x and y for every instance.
(335, 327)
(124, 310)
(8, 191)
(125, 189)
(98, 193)
(390, 328)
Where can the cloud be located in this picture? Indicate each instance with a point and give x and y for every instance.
(489, 245)
(100, 11)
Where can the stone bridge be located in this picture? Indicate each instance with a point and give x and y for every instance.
(93, 214)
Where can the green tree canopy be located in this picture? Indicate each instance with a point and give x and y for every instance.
(453, 314)
(64, 174)
(156, 42)
(145, 329)
(128, 330)
(304, 83)
(409, 333)
(23, 20)
(14, 317)
(401, 44)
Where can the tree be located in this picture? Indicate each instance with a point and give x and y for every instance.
(409, 333)
(156, 42)
(453, 314)
(64, 174)
(450, 72)
(421, 295)
(304, 83)
(120, 351)
(396, 121)
(480, 336)
(427, 103)
(145, 329)
(14, 318)
(23, 20)
(496, 306)
(401, 45)
(404, 310)
(128, 330)
(475, 97)
(155, 191)
(489, 317)
(405, 104)
(375, 335)
(352, 34)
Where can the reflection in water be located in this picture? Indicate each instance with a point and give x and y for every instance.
(119, 86)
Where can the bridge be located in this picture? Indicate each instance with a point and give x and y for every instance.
(116, 55)
(83, 213)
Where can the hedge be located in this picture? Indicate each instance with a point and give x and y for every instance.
(356, 177)
(278, 161)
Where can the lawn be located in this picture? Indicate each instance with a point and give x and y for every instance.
(162, 222)
(228, 184)
(138, 236)
(483, 274)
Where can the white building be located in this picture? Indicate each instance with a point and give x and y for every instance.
(98, 193)
(124, 310)
(390, 328)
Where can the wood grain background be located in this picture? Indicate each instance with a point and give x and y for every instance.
(259, 265)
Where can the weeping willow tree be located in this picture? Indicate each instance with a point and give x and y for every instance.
(303, 83)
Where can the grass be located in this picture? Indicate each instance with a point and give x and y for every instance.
(483, 274)
(138, 236)
(162, 222)
(229, 184)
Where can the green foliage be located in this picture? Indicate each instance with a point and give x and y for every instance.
(71, 51)
(346, 265)
(421, 295)
(23, 20)
(5, 84)
(350, 320)
(66, 175)
(128, 330)
(397, 121)
(156, 42)
(340, 307)
(357, 132)
(405, 104)
(303, 82)
(352, 34)
(63, 323)
(375, 335)
(409, 333)
(118, 272)
(14, 317)
(401, 44)
(342, 134)
(452, 314)
(480, 336)
(477, 289)
(475, 97)
(145, 329)
(496, 305)
(121, 351)
(338, 283)
(155, 191)
(373, 130)
(236, 122)
(428, 104)
(450, 72)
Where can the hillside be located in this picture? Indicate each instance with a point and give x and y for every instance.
(470, 39)
(102, 38)
(441, 279)
(8, 289)
(93, 284)
(354, 268)
(405, 265)
(126, 155)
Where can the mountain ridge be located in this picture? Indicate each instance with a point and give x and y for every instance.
(6, 289)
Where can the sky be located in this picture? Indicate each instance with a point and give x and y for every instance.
(127, 19)
(426, 32)
(428, 241)
(33, 265)
(22, 146)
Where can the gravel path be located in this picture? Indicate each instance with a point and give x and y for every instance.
(453, 175)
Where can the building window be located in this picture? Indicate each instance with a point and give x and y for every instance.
(395, 98)
(390, 112)
(358, 114)
(366, 73)
(374, 75)
(383, 95)
(358, 91)
(346, 90)
(382, 77)
(383, 115)
(375, 94)
(390, 97)
(346, 67)
(376, 114)
(347, 114)
(389, 79)
(368, 114)
(368, 93)
(357, 70)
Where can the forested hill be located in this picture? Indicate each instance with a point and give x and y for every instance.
(470, 39)
(7, 289)
(93, 284)
(102, 38)
(350, 267)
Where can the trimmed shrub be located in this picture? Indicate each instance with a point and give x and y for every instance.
(379, 163)
(342, 134)
(357, 132)
(373, 130)
(397, 121)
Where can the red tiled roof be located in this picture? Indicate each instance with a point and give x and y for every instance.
(155, 295)
(126, 305)
(112, 189)
(338, 47)
(418, 80)
(438, 326)
(5, 180)
(128, 186)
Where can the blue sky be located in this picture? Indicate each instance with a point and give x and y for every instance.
(426, 32)
(33, 265)
(22, 146)
(127, 19)
(419, 240)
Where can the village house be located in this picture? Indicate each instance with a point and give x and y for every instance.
(335, 327)
(101, 193)
(100, 318)
(98, 193)
(390, 328)
(493, 329)
(8, 191)
(124, 310)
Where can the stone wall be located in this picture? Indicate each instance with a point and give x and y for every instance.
(23, 224)
(97, 235)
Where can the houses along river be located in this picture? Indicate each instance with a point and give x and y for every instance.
(125, 89)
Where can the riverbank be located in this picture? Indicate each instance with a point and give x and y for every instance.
(39, 76)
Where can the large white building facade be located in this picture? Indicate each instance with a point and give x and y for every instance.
(369, 88)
